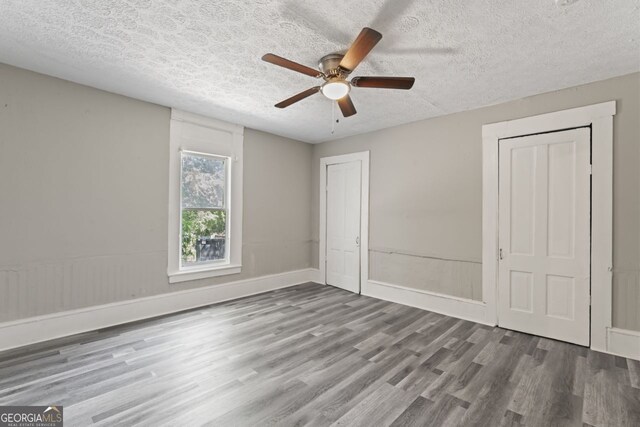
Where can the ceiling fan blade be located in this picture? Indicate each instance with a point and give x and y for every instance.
(346, 106)
(384, 82)
(360, 48)
(298, 97)
(283, 62)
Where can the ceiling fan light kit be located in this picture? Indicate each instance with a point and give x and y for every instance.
(336, 68)
(335, 89)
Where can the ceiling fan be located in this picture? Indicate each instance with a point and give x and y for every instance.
(335, 68)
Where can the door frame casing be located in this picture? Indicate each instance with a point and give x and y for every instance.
(363, 157)
(600, 118)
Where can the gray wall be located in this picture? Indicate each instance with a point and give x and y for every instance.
(84, 179)
(426, 194)
(84, 198)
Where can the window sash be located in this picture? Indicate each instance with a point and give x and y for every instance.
(225, 207)
(227, 186)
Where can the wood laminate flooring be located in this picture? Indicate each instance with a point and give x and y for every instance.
(317, 355)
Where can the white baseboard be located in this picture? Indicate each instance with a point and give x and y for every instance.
(623, 342)
(462, 308)
(316, 277)
(620, 342)
(42, 328)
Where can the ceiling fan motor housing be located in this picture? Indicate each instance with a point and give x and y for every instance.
(330, 65)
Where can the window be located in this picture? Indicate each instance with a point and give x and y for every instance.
(203, 218)
(205, 198)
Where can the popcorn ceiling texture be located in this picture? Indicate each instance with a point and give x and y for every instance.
(204, 56)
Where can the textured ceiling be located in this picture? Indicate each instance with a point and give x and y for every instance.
(204, 56)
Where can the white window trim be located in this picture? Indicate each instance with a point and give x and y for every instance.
(600, 118)
(233, 149)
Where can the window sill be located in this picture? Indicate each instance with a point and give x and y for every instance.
(195, 274)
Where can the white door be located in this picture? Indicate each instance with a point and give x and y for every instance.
(544, 234)
(343, 225)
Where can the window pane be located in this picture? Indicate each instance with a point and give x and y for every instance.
(203, 236)
(203, 181)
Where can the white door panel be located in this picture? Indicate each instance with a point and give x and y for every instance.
(544, 216)
(343, 225)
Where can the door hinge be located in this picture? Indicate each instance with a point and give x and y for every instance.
(500, 254)
(590, 169)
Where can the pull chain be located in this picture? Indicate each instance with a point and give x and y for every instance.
(333, 117)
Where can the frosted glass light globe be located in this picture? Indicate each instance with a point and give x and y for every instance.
(335, 89)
